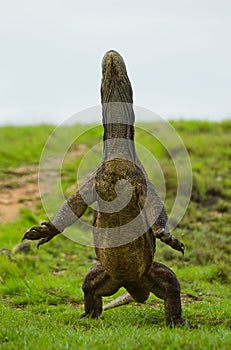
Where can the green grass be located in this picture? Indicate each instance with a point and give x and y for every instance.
(41, 296)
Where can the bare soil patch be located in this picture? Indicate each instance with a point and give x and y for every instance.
(19, 189)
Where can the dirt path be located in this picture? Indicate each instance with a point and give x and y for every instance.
(19, 189)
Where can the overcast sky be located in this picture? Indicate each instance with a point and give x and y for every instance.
(177, 52)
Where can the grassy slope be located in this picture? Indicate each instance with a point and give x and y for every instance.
(41, 291)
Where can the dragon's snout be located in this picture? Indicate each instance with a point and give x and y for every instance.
(113, 62)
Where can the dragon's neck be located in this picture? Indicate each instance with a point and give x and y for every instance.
(118, 131)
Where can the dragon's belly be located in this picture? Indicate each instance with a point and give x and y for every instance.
(123, 243)
(130, 261)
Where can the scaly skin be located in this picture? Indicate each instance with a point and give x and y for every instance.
(129, 215)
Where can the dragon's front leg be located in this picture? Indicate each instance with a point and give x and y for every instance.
(156, 217)
(71, 211)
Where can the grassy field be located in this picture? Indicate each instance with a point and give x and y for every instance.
(41, 296)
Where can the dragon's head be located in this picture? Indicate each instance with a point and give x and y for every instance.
(116, 86)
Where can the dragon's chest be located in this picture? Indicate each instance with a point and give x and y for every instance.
(116, 185)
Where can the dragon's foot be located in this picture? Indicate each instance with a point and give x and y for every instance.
(176, 244)
(90, 315)
(169, 239)
(177, 322)
(42, 233)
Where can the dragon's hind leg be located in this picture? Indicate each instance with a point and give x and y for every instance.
(162, 281)
(97, 283)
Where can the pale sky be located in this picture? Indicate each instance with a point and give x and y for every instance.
(177, 52)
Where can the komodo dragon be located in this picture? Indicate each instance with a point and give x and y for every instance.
(129, 215)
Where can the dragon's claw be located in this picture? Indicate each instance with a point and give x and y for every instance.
(44, 240)
(43, 233)
(178, 245)
(182, 248)
(33, 233)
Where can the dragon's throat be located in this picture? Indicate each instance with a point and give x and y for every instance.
(119, 142)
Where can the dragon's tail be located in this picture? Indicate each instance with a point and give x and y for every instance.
(123, 299)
